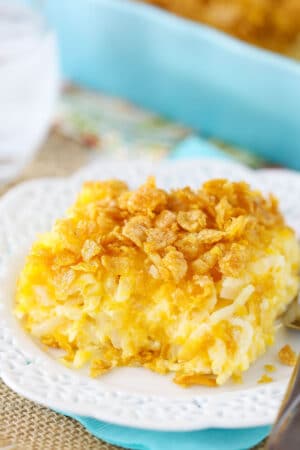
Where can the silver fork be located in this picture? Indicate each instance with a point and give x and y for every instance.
(285, 434)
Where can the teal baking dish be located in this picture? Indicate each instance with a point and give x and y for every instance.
(189, 72)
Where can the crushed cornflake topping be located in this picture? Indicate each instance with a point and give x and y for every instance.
(265, 379)
(287, 356)
(270, 368)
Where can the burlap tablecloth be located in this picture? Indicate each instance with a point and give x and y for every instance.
(25, 425)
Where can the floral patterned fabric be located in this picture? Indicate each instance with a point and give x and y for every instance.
(116, 128)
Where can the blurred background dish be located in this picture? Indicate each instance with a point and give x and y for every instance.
(221, 86)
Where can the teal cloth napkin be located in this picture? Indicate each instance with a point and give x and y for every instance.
(211, 439)
(197, 147)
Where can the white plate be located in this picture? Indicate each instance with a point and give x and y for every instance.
(130, 396)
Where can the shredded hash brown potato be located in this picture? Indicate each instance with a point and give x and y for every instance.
(273, 24)
(187, 282)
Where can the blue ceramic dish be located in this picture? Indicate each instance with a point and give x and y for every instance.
(186, 71)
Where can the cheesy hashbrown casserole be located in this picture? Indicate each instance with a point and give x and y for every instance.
(187, 282)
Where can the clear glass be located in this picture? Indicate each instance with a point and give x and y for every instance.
(28, 84)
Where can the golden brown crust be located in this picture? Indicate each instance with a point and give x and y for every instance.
(201, 231)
